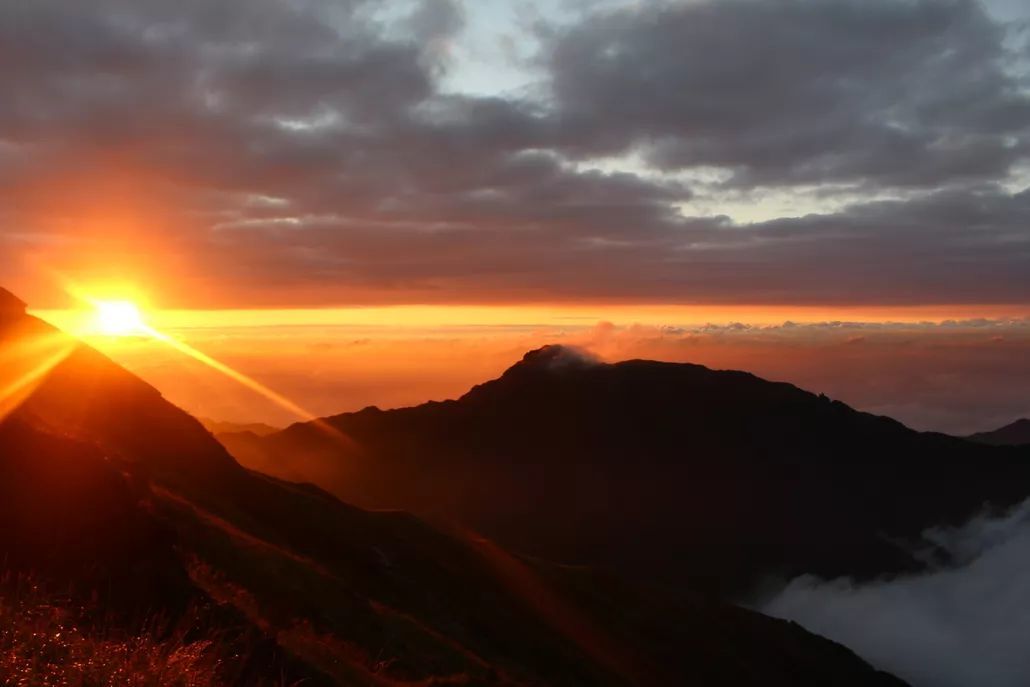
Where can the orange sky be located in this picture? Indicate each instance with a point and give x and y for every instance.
(400, 317)
(956, 369)
(354, 206)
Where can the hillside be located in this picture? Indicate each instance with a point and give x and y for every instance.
(217, 427)
(115, 494)
(1014, 434)
(658, 470)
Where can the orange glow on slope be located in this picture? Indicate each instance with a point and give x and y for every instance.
(24, 366)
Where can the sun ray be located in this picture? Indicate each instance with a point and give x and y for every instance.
(26, 367)
(124, 318)
(244, 380)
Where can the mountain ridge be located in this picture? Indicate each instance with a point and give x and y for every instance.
(535, 456)
(343, 595)
(11, 304)
(1013, 434)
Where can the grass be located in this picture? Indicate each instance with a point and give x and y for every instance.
(50, 640)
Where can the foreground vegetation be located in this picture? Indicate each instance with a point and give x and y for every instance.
(53, 640)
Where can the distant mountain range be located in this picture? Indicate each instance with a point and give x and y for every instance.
(112, 493)
(1015, 434)
(222, 427)
(675, 472)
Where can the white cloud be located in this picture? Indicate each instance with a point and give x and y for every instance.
(952, 627)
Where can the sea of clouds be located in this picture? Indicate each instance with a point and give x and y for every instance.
(955, 626)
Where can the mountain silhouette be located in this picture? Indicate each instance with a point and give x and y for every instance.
(661, 471)
(110, 489)
(1014, 434)
(69, 512)
(217, 427)
(11, 305)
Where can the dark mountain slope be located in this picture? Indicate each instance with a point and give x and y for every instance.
(660, 470)
(100, 471)
(69, 512)
(93, 574)
(217, 427)
(1014, 434)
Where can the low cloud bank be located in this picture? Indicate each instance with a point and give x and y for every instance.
(952, 627)
(959, 378)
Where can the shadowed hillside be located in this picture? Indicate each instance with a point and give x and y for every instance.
(217, 427)
(1014, 434)
(117, 495)
(659, 470)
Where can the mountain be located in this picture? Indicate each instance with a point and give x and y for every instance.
(217, 427)
(57, 494)
(660, 471)
(123, 501)
(1014, 434)
(11, 304)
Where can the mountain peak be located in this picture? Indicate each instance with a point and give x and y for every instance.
(540, 365)
(554, 357)
(1014, 434)
(11, 304)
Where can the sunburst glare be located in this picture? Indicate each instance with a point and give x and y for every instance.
(118, 318)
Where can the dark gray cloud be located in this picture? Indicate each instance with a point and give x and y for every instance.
(304, 152)
(551, 238)
(436, 20)
(884, 92)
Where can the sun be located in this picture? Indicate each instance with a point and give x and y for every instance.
(118, 318)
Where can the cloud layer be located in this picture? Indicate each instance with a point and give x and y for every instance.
(956, 377)
(885, 93)
(287, 153)
(954, 627)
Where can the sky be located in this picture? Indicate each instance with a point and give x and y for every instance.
(509, 167)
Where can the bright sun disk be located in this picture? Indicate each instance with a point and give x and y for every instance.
(118, 318)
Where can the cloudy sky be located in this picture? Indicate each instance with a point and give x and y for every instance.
(252, 153)
(612, 173)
